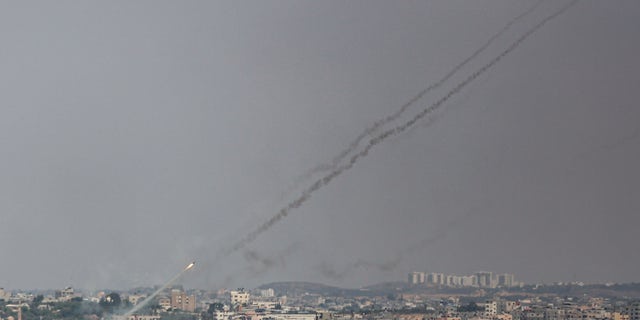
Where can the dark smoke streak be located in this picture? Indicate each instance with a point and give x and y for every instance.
(609, 146)
(394, 116)
(331, 272)
(328, 271)
(259, 264)
(306, 194)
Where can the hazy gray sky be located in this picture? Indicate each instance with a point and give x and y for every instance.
(138, 136)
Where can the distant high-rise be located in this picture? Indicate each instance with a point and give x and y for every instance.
(435, 278)
(506, 280)
(267, 293)
(469, 281)
(416, 277)
(4, 296)
(481, 279)
(484, 279)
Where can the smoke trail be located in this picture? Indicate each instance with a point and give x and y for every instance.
(258, 264)
(394, 116)
(332, 273)
(391, 264)
(261, 264)
(306, 194)
(608, 146)
(155, 293)
(328, 271)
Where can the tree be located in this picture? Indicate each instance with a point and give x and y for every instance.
(216, 306)
(37, 301)
(76, 309)
(112, 299)
(471, 307)
(111, 302)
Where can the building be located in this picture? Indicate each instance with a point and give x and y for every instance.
(469, 281)
(450, 280)
(490, 308)
(267, 293)
(507, 306)
(135, 298)
(264, 304)
(65, 294)
(435, 278)
(619, 316)
(223, 315)
(633, 310)
(502, 316)
(239, 297)
(165, 303)
(485, 279)
(4, 295)
(180, 300)
(416, 277)
(506, 280)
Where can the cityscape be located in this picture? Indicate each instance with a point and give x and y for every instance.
(320, 160)
(424, 296)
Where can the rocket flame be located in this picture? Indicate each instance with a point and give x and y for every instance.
(166, 285)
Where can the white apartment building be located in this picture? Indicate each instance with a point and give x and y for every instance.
(416, 277)
(267, 293)
(490, 308)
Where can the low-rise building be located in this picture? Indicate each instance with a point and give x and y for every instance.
(239, 297)
(165, 303)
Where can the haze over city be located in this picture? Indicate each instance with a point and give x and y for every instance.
(495, 135)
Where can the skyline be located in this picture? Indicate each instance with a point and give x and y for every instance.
(426, 281)
(138, 137)
(178, 284)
